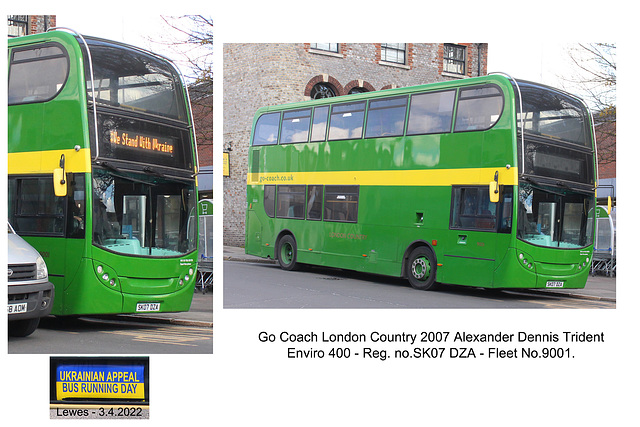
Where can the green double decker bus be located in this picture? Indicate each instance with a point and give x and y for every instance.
(102, 172)
(485, 181)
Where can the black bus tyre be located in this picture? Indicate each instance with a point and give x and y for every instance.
(287, 253)
(421, 268)
(23, 327)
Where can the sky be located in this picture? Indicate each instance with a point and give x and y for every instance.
(136, 30)
(540, 61)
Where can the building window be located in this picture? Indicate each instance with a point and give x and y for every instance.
(356, 90)
(454, 59)
(18, 25)
(322, 90)
(329, 47)
(393, 52)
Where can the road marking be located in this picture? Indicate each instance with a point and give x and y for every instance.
(173, 335)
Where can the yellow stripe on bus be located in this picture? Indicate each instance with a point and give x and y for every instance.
(46, 161)
(422, 177)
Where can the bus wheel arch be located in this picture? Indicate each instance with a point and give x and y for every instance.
(286, 250)
(420, 266)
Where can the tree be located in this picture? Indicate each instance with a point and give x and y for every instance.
(190, 38)
(595, 78)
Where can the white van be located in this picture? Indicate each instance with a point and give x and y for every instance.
(30, 292)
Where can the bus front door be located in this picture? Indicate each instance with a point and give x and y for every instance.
(469, 258)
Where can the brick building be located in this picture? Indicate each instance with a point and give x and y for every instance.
(257, 75)
(201, 96)
(23, 25)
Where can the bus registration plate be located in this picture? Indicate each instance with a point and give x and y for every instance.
(554, 284)
(17, 308)
(147, 306)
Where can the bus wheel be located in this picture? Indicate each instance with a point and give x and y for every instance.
(421, 268)
(287, 253)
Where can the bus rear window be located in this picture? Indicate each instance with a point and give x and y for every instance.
(266, 130)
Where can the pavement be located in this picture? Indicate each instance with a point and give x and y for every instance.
(598, 288)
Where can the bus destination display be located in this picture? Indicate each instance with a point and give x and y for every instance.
(140, 141)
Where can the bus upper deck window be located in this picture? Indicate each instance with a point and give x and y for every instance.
(479, 108)
(37, 74)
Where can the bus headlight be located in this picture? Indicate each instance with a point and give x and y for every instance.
(41, 269)
(526, 261)
(106, 275)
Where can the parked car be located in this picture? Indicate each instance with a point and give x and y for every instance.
(30, 292)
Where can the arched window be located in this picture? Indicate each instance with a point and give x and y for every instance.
(322, 90)
(357, 90)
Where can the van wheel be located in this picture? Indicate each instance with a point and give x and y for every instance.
(287, 253)
(421, 268)
(24, 327)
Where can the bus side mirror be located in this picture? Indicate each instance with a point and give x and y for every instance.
(60, 180)
(494, 190)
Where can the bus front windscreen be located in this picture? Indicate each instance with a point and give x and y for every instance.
(552, 114)
(144, 216)
(554, 217)
(132, 80)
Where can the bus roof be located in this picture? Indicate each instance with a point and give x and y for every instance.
(492, 78)
(72, 37)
